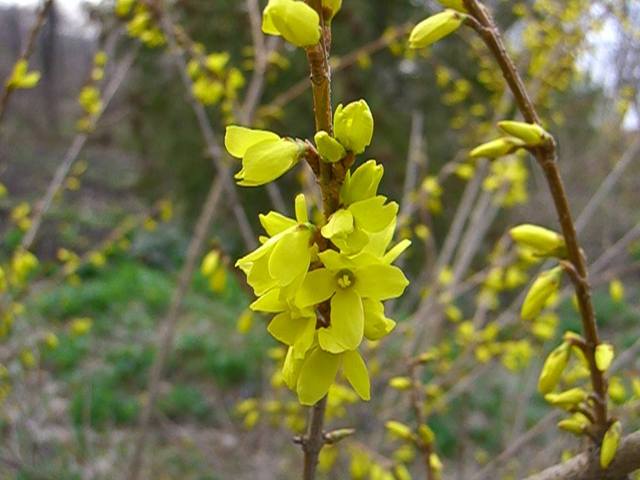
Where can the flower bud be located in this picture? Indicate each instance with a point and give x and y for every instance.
(575, 424)
(329, 148)
(567, 399)
(610, 444)
(530, 133)
(426, 434)
(553, 367)
(434, 28)
(362, 183)
(294, 20)
(616, 290)
(353, 126)
(542, 241)
(604, 356)
(497, 148)
(455, 4)
(334, 436)
(400, 383)
(400, 430)
(265, 156)
(541, 290)
(333, 6)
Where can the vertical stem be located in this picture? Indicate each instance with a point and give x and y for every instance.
(545, 155)
(330, 178)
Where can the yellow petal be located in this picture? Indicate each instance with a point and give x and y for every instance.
(340, 224)
(316, 376)
(380, 282)
(318, 286)
(376, 325)
(362, 183)
(238, 140)
(355, 371)
(269, 302)
(372, 215)
(302, 216)
(347, 323)
(290, 257)
(274, 223)
(353, 126)
(291, 369)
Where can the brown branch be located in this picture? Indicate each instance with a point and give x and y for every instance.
(74, 151)
(27, 52)
(586, 467)
(546, 157)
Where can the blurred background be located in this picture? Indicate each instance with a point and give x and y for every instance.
(128, 185)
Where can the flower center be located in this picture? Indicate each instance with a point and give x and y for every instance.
(345, 278)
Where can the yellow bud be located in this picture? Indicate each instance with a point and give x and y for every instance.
(567, 399)
(610, 444)
(296, 21)
(245, 321)
(21, 77)
(216, 62)
(435, 28)
(210, 263)
(400, 430)
(353, 126)
(616, 290)
(617, 391)
(542, 241)
(455, 4)
(333, 6)
(400, 383)
(329, 148)
(530, 133)
(604, 356)
(497, 148)
(434, 461)
(553, 367)
(541, 290)
(51, 340)
(362, 183)
(575, 424)
(426, 434)
(81, 326)
(401, 472)
(335, 436)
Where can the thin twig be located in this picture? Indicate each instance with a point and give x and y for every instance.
(546, 157)
(27, 52)
(74, 151)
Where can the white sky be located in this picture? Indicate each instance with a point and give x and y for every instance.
(71, 8)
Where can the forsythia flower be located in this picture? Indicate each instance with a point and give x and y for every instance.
(265, 155)
(326, 296)
(294, 20)
(353, 286)
(541, 290)
(530, 133)
(21, 77)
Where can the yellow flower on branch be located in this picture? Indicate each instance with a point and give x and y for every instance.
(294, 20)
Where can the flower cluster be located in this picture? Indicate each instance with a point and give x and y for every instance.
(325, 284)
(21, 77)
(90, 98)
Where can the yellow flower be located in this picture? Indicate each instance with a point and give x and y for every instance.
(296, 21)
(435, 28)
(399, 430)
(353, 126)
(81, 326)
(312, 377)
(616, 290)
(265, 156)
(333, 6)
(21, 77)
(455, 4)
(362, 183)
(346, 282)
(285, 256)
(575, 424)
